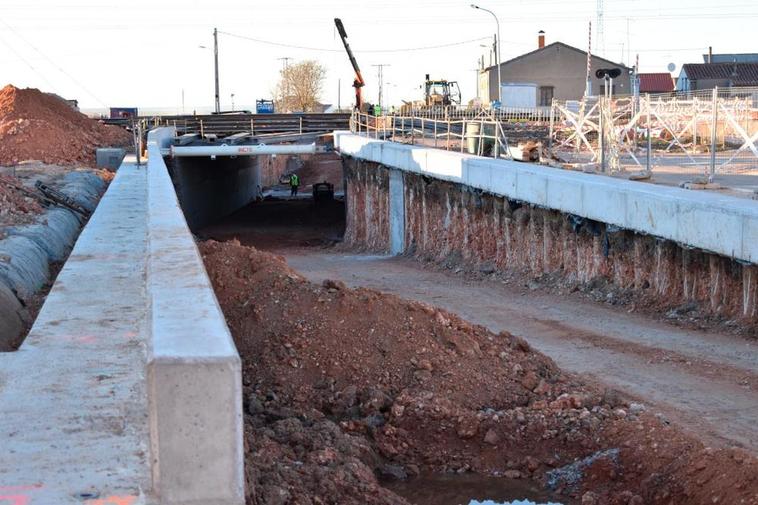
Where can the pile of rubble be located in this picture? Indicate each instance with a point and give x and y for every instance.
(16, 205)
(346, 387)
(41, 126)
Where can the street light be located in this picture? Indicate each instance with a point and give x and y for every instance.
(497, 53)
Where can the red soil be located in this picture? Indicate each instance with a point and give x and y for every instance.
(16, 206)
(343, 385)
(39, 126)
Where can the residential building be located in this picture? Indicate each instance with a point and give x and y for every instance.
(558, 70)
(700, 76)
(659, 82)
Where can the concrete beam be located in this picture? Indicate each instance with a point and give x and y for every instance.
(721, 224)
(235, 150)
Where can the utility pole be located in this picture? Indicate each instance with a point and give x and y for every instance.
(285, 65)
(215, 64)
(339, 89)
(285, 62)
(600, 29)
(380, 78)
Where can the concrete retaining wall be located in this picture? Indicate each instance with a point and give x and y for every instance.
(194, 371)
(456, 224)
(721, 224)
(211, 189)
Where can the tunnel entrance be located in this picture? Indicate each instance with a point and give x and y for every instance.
(276, 219)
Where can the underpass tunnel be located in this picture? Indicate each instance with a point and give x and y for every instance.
(249, 198)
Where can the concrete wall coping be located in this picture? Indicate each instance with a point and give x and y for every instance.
(717, 223)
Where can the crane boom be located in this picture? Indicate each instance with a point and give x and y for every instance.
(358, 82)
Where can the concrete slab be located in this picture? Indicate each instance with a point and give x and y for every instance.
(717, 223)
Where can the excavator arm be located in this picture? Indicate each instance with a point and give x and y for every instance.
(358, 82)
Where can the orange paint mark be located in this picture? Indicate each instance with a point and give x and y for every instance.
(14, 499)
(113, 500)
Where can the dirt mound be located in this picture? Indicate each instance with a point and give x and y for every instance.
(16, 206)
(39, 126)
(345, 386)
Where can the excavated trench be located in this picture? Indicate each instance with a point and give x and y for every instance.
(355, 396)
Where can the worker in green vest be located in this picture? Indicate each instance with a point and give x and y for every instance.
(377, 110)
(294, 184)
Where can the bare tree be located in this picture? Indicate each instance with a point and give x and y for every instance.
(299, 87)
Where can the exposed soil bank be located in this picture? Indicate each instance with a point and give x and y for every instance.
(343, 385)
(42, 126)
(454, 225)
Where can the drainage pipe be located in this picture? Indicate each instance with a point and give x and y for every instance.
(260, 149)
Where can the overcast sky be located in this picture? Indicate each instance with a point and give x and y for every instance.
(145, 52)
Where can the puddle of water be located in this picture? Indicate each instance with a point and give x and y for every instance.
(470, 489)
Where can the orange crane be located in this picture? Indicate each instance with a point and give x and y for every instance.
(358, 82)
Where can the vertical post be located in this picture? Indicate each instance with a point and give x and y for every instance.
(435, 133)
(215, 67)
(301, 125)
(714, 133)
(601, 136)
(463, 133)
(423, 130)
(252, 127)
(447, 146)
(202, 132)
(413, 130)
(649, 169)
(552, 120)
(135, 135)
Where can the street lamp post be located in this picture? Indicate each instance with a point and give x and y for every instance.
(497, 53)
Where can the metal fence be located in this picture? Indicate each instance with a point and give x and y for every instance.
(484, 134)
(702, 133)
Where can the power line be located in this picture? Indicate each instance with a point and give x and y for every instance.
(328, 50)
(82, 86)
(32, 67)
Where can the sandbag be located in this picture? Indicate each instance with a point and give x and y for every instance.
(84, 187)
(12, 320)
(55, 234)
(23, 265)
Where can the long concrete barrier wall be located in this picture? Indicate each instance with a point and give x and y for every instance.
(127, 389)
(194, 372)
(721, 224)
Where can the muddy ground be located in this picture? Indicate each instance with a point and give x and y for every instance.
(345, 387)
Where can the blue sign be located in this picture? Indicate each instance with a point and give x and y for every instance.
(264, 106)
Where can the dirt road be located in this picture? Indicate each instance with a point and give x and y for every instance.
(706, 382)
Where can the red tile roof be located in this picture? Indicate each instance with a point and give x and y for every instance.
(656, 83)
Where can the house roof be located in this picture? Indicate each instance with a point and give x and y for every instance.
(731, 58)
(561, 44)
(656, 82)
(740, 74)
